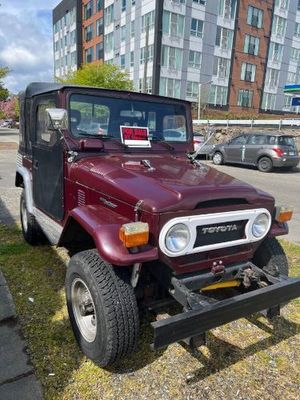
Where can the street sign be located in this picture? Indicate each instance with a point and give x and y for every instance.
(291, 88)
(296, 101)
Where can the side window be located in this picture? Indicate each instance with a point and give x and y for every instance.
(239, 140)
(43, 135)
(272, 140)
(257, 140)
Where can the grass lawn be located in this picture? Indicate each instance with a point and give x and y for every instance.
(246, 359)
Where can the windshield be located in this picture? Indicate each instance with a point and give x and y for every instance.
(103, 116)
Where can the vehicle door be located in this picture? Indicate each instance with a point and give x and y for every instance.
(254, 147)
(47, 171)
(233, 150)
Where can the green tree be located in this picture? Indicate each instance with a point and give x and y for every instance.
(105, 76)
(3, 91)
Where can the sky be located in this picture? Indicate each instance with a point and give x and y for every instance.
(26, 41)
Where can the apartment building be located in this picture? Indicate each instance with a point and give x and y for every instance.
(67, 37)
(92, 31)
(235, 55)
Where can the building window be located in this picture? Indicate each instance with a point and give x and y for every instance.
(132, 29)
(99, 5)
(255, 17)
(227, 8)
(74, 58)
(132, 58)
(147, 88)
(291, 77)
(298, 7)
(148, 21)
(123, 33)
(218, 95)
(282, 4)
(122, 60)
(109, 15)
(88, 33)
(268, 101)
(171, 57)
(201, 2)
(169, 87)
(251, 45)
(287, 101)
(248, 72)
(173, 24)
(275, 52)
(88, 9)
(89, 55)
(194, 59)
(99, 51)
(146, 55)
(224, 38)
(109, 42)
(99, 26)
(197, 27)
(295, 54)
(73, 37)
(297, 30)
(192, 89)
(278, 26)
(123, 5)
(245, 98)
(272, 76)
(221, 67)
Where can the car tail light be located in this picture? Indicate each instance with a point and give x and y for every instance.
(134, 234)
(278, 152)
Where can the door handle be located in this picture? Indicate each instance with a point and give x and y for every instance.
(35, 164)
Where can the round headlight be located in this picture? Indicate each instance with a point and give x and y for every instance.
(177, 238)
(260, 225)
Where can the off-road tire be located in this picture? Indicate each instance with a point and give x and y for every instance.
(115, 308)
(271, 257)
(32, 233)
(265, 164)
(218, 158)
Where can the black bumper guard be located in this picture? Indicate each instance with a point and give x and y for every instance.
(206, 313)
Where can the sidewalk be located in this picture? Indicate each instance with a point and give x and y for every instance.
(17, 376)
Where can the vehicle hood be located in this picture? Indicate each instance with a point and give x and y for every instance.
(164, 182)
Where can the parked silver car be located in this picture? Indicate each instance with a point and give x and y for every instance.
(264, 150)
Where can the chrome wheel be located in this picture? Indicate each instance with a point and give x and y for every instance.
(24, 216)
(218, 159)
(84, 310)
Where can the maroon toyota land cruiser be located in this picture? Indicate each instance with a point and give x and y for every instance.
(111, 176)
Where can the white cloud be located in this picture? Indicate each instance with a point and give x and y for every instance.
(26, 41)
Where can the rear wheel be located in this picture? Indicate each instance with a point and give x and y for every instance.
(31, 231)
(218, 158)
(102, 309)
(265, 164)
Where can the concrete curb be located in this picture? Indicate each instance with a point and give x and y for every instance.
(17, 375)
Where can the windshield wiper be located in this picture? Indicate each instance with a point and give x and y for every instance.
(160, 141)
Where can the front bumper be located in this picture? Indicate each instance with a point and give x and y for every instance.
(197, 321)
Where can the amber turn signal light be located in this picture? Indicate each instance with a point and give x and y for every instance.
(134, 234)
(283, 214)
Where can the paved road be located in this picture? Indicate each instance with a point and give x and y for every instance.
(283, 185)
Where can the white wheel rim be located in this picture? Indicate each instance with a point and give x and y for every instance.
(217, 158)
(24, 216)
(82, 301)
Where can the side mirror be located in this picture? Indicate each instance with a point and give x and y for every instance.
(57, 119)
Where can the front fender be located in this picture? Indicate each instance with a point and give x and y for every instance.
(103, 226)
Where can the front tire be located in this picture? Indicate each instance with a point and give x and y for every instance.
(271, 258)
(31, 231)
(102, 309)
(218, 158)
(265, 164)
